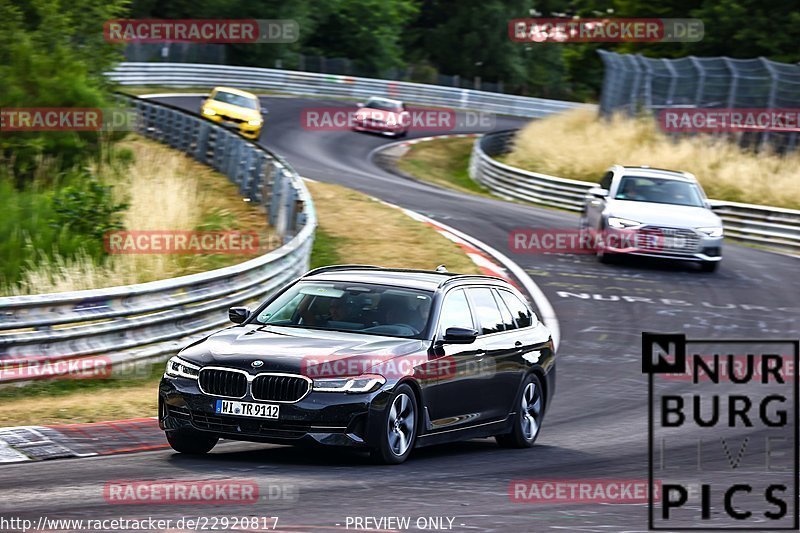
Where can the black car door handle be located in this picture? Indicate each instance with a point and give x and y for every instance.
(480, 352)
(518, 344)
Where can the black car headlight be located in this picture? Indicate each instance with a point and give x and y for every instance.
(178, 368)
(357, 384)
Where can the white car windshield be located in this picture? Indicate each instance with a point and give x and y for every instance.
(661, 191)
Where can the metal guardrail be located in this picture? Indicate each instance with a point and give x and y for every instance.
(122, 325)
(766, 226)
(310, 83)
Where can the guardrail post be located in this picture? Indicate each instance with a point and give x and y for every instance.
(289, 219)
(278, 180)
(245, 168)
(201, 150)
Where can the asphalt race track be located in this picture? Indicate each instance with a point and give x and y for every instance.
(595, 429)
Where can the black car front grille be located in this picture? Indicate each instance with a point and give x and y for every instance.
(276, 388)
(229, 424)
(223, 382)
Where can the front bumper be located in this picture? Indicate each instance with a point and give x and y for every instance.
(691, 246)
(374, 127)
(336, 419)
(244, 129)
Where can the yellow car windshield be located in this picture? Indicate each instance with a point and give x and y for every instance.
(236, 99)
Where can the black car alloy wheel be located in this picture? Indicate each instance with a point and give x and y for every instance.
(399, 428)
(528, 419)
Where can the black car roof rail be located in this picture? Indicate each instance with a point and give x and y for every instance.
(459, 277)
(330, 268)
(449, 275)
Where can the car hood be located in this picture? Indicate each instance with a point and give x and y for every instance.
(377, 114)
(296, 350)
(680, 216)
(234, 111)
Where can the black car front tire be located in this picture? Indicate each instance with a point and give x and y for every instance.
(191, 442)
(529, 415)
(398, 428)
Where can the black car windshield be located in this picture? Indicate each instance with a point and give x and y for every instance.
(660, 191)
(383, 105)
(351, 306)
(236, 99)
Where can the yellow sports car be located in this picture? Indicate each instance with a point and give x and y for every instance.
(235, 108)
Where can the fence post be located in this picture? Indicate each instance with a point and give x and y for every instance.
(633, 98)
(701, 80)
(673, 81)
(734, 82)
(772, 92)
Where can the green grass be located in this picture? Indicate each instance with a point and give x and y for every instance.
(144, 374)
(33, 228)
(444, 162)
(325, 249)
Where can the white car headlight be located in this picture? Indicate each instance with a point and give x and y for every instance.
(177, 367)
(209, 112)
(712, 231)
(362, 383)
(254, 122)
(622, 223)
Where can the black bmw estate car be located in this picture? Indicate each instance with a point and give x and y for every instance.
(382, 359)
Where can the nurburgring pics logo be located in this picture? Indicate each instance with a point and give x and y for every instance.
(605, 30)
(221, 31)
(732, 120)
(726, 437)
(181, 242)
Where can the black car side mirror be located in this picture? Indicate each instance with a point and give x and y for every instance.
(460, 336)
(237, 315)
(264, 112)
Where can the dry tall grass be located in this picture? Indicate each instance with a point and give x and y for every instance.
(368, 231)
(165, 190)
(579, 145)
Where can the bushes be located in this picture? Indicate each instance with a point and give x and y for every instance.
(44, 226)
(52, 54)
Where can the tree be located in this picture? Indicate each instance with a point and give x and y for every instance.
(53, 54)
